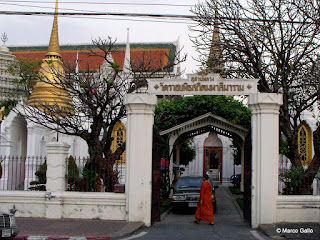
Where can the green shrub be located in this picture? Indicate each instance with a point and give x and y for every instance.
(240, 202)
(165, 205)
(235, 190)
(297, 181)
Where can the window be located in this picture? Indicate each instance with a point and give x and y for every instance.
(304, 144)
(119, 136)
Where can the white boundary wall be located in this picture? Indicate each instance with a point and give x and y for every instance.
(295, 209)
(56, 202)
(105, 206)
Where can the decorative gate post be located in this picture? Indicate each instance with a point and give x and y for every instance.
(56, 178)
(265, 156)
(140, 118)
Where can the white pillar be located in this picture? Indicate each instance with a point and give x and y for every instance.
(140, 117)
(56, 178)
(242, 167)
(177, 161)
(199, 165)
(265, 151)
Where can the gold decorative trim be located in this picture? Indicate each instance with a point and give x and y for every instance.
(304, 144)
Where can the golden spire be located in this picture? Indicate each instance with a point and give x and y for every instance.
(49, 92)
(53, 49)
(215, 63)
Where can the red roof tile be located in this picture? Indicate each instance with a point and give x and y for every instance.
(152, 58)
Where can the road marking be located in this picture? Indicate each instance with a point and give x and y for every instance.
(256, 235)
(135, 236)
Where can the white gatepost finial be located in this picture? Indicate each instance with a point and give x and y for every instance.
(4, 38)
(127, 58)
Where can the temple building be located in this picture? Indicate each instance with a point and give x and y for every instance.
(8, 88)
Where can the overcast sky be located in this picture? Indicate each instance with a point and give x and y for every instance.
(35, 30)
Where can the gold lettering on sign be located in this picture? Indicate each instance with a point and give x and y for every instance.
(198, 87)
(202, 79)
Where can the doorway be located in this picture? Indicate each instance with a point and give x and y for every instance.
(212, 163)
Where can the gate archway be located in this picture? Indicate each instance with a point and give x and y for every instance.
(205, 123)
(264, 135)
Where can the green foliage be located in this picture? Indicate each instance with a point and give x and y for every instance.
(187, 153)
(93, 177)
(42, 173)
(9, 104)
(165, 205)
(283, 146)
(42, 178)
(235, 190)
(298, 180)
(115, 65)
(240, 203)
(73, 173)
(173, 112)
(26, 72)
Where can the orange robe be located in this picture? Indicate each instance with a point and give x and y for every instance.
(205, 208)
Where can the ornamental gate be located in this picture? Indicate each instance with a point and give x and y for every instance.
(264, 139)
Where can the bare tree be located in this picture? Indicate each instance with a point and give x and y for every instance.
(93, 101)
(272, 40)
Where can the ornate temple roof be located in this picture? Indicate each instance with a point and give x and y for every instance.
(157, 51)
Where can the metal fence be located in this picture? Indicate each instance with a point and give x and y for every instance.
(95, 174)
(83, 174)
(297, 180)
(22, 173)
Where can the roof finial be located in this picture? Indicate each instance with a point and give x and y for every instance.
(53, 49)
(215, 63)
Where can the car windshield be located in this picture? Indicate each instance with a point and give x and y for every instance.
(189, 182)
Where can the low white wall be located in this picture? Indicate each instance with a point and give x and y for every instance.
(26, 203)
(303, 208)
(106, 206)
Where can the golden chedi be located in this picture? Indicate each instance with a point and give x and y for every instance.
(48, 91)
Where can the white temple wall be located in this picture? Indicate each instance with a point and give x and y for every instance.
(227, 159)
(79, 147)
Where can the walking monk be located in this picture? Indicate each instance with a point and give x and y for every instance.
(205, 208)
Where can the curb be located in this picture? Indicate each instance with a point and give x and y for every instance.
(263, 231)
(58, 238)
(239, 210)
(122, 233)
(165, 214)
(229, 192)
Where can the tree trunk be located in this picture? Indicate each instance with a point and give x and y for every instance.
(316, 144)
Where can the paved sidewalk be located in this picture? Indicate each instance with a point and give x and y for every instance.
(50, 229)
(310, 231)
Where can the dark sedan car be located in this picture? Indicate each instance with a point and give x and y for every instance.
(8, 227)
(186, 193)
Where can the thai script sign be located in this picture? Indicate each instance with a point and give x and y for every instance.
(210, 84)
